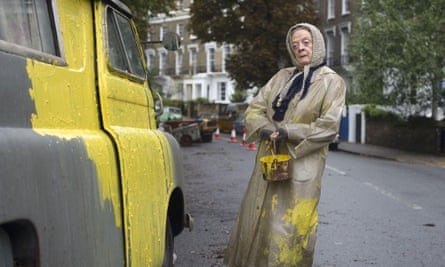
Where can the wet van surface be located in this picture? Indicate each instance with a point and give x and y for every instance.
(86, 178)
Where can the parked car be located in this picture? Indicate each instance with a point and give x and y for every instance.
(236, 120)
(239, 123)
(233, 116)
(169, 113)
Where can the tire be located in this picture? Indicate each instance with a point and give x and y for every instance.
(6, 256)
(169, 246)
(207, 138)
(186, 140)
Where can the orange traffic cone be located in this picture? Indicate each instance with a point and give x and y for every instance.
(252, 146)
(243, 142)
(217, 134)
(233, 136)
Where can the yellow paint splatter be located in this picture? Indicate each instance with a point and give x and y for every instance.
(263, 213)
(304, 217)
(274, 202)
(289, 254)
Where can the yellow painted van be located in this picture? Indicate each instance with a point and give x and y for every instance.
(86, 178)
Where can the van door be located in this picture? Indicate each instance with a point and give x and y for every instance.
(127, 115)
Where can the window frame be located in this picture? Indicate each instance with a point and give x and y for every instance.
(330, 9)
(58, 58)
(131, 74)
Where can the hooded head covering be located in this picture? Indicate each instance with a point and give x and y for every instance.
(299, 82)
(318, 45)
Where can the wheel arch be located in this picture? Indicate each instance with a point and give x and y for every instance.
(176, 211)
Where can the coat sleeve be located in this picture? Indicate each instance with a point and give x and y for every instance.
(321, 132)
(259, 113)
(256, 118)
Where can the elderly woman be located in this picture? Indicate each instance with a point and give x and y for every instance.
(300, 107)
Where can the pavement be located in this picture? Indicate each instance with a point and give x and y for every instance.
(437, 160)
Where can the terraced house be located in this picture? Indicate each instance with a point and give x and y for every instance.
(194, 71)
(197, 70)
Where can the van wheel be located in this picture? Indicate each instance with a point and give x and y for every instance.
(207, 138)
(6, 256)
(186, 140)
(169, 246)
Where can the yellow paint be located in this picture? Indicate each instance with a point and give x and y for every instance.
(274, 202)
(304, 217)
(127, 113)
(288, 254)
(66, 103)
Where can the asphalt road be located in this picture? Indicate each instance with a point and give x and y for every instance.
(372, 212)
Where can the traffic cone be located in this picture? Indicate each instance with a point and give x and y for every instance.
(252, 146)
(217, 134)
(243, 142)
(233, 136)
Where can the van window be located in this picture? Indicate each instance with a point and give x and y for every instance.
(27, 23)
(123, 50)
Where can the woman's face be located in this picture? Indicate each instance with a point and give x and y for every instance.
(301, 41)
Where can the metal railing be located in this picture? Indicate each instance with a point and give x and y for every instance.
(188, 70)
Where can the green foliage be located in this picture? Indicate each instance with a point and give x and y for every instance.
(257, 28)
(240, 95)
(374, 113)
(398, 47)
(416, 121)
(142, 9)
(173, 102)
(201, 100)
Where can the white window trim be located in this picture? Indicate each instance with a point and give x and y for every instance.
(344, 25)
(161, 51)
(330, 47)
(225, 55)
(148, 53)
(179, 65)
(343, 49)
(330, 7)
(208, 46)
(191, 47)
(345, 11)
(178, 27)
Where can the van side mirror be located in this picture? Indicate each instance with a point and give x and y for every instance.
(159, 103)
(171, 41)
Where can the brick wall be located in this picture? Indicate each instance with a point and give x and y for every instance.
(409, 138)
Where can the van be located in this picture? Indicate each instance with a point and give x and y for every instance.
(86, 178)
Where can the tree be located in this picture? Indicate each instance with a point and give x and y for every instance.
(240, 95)
(258, 30)
(143, 9)
(399, 53)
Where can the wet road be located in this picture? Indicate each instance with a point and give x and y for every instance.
(372, 212)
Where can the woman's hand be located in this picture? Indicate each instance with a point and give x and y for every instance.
(266, 134)
(281, 134)
(270, 135)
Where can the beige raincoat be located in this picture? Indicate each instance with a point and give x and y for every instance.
(277, 222)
